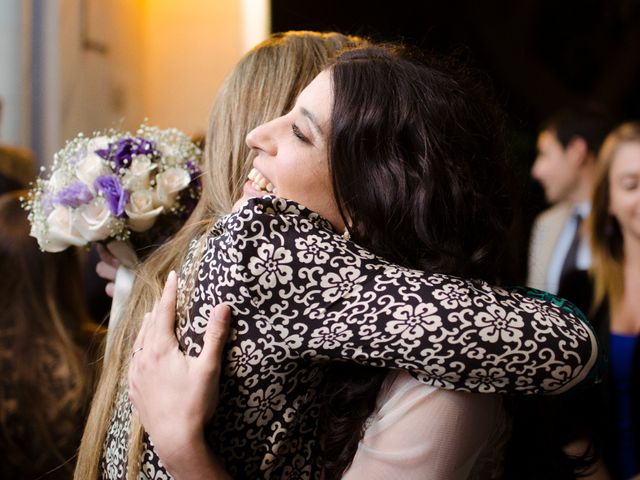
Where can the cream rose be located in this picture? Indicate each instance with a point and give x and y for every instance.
(168, 185)
(99, 143)
(90, 167)
(60, 232)
(140, 210)
(137, 176)
(95, 221)
(57, 181)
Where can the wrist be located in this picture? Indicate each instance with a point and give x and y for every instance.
(191, 458)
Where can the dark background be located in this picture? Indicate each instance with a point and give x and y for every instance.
(541, 55)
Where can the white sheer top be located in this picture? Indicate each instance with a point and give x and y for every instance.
(425, 433)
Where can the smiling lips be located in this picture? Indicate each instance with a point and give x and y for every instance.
(260, 183)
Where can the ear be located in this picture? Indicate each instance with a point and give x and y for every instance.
(577, 151)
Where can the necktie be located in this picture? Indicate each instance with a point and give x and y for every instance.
(570, 261)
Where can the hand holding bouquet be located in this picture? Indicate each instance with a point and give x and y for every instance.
(116, 186)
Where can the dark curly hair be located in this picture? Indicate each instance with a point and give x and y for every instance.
(418, 165)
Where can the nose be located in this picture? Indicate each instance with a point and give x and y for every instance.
(536, 169)
(262, 139)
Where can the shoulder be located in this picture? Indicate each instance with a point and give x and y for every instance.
(268, 208)
(403, 396)
(284, 228)
(404, 439)
(557, 213)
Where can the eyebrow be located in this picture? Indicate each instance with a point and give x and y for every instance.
(312, 119)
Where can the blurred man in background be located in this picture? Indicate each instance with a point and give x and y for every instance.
(565, 166)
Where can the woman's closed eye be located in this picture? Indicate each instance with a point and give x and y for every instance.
(298, 133)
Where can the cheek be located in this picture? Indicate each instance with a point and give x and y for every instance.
(553, 172)
(316, 192)
(309, 176)
(622, 205)
(317, 186)
(302, 185)
(614, 201)
(614, 208)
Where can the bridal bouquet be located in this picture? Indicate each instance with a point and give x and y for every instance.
(116, 186)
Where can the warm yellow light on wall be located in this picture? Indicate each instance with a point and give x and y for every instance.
(189, 47)
(256, 22)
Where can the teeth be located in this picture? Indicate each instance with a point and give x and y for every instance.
(259, 182)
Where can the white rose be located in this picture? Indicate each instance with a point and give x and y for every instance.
(57, 181)
(171, 154)
(99, 143)
(140, 210)
(90, 167)
(137, 176)
(95, 221)
(168, 185)
(61, 232)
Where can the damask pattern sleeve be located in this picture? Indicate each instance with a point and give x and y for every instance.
(301, 296)
(298, 288)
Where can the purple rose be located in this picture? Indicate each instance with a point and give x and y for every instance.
(74, 195)
(123, 151)
(113, 192)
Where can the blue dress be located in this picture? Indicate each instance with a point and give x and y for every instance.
(622, 349)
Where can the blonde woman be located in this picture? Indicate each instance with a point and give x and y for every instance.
(614, 227)
(263, 85)
(271, 431)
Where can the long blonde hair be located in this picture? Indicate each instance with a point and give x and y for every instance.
(261, 87)
(604, 231)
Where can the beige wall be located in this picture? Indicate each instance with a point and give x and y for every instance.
(100, 90)
(164, 60)
(191, 46)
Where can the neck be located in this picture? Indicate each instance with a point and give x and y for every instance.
(584, 185)
(582, 195)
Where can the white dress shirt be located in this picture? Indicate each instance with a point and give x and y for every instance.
(561, 249)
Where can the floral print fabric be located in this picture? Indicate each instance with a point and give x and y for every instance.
(301, 296)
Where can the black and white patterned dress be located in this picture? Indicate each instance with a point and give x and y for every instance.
(301, 296)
